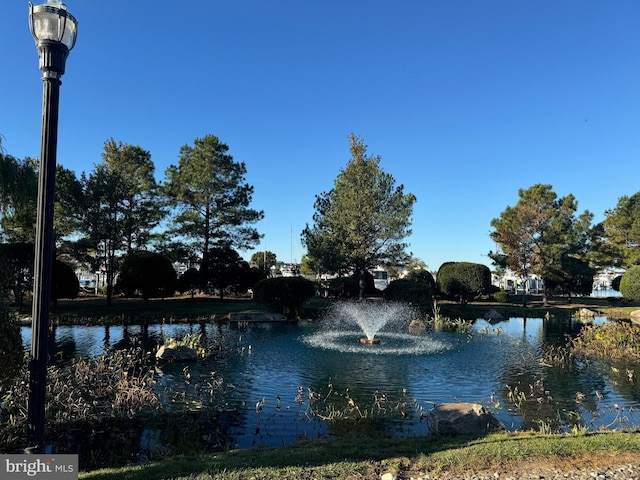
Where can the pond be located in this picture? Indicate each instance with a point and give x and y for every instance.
(282, 381)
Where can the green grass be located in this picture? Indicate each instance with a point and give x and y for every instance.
(360, 459)
(617, 307)
(94, 310)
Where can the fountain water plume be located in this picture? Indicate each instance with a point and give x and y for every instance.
(372, 316)
(345, 322)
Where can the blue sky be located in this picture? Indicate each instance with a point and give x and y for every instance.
(465, 101)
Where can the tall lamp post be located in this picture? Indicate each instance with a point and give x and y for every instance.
(54, 30)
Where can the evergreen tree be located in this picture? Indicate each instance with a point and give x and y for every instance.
(122, 205)
(212, 199)
(363, 220)
(622, 232)
(539, 232)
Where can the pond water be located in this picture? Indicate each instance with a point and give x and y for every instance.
(281, 379)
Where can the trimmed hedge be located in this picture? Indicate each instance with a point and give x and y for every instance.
(501, 296)
(418, 293)
(284, 294)
(464, 280)
(630, 283)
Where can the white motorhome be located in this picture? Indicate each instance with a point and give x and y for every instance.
(380, 278)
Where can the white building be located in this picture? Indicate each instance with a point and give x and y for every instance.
(513, 283)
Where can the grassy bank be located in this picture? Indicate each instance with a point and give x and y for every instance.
(561, 307)
(94, 310)
(369, 458)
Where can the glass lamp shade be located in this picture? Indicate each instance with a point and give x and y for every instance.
(52, 22)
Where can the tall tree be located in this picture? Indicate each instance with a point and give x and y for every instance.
(138, 191)
(212, 198)
(103, 219)
(622, 231)
(122, 205)
(363, 220)
(539, 231)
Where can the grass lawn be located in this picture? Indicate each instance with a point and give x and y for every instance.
(370, 458)
(612, 307)
(94, 310)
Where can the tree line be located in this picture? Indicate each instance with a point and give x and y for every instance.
(362, 222)
(200, 213)
(544, 235)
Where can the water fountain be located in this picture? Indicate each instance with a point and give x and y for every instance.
(370, 316)
(384, 325)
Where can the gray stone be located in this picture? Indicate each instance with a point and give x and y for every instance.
(416, 327)
(176, 353)
(463, 419)
(586, 313)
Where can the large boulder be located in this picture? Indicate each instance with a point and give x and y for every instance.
(635, 317)
(463, 419)
(176, 353)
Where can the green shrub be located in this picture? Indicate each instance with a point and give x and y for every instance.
(147, 273)
(284, 294)
(11, 353)
(415, 292)
(65, 283)
(501, 296)
(189, 281)
(424, 275)
(463, 280)
(344, 287)
(630, 283)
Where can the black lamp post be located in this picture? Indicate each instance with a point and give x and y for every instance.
(54, 30)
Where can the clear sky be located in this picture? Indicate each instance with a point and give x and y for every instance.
(466, 101)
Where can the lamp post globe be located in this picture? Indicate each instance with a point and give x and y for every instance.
(54, 30)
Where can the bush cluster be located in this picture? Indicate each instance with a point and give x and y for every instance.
(501, 296)
(147, 273)
(11, 354)
(284, 294)
(65, 283)
(344, 287)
